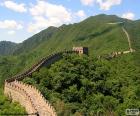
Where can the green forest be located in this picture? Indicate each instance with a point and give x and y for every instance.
(7, 107)
(87, 86)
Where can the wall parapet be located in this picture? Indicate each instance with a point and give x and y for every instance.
(10, 87)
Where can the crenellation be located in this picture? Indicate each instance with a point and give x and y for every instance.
(19, 92)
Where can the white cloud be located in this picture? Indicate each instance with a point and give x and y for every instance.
(46, 14)
(107, 4)
(10, 24)
(12, 32)
(104, 4)
(14, 6)
(40, 23)
(128, 15)
(81, 14)
(87, 2)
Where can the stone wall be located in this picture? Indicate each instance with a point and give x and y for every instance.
(115, 54)
(19, 95)
(23, 93)
(27, 95)
(39, 97)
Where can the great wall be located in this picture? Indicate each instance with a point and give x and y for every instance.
(118, 53)
(31, 98)
(27, 95)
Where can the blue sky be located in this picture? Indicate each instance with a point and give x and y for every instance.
(20, 19)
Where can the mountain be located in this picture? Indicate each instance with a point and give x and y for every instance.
(93, 30)
(7, 47)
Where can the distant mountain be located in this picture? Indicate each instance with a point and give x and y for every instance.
(7, 47)
(36, 40)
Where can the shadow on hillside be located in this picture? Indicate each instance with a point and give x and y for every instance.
(95, 34)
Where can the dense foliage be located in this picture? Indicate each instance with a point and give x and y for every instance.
(87, 86)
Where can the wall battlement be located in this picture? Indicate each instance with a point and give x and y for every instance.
(17, 93)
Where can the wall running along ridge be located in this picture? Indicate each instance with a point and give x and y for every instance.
(27, 95)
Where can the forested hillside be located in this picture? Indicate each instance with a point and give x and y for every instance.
(86, 86)
(108, 86)
(7, 48)
(91, 32)
(9, 108)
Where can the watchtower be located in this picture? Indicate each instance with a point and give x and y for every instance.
(81, 50)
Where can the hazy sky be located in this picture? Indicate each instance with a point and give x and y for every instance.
(20, 19)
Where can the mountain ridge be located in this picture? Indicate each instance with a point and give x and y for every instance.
(7, 47)
(50, 31)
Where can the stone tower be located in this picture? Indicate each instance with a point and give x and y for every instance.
(81, 50)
